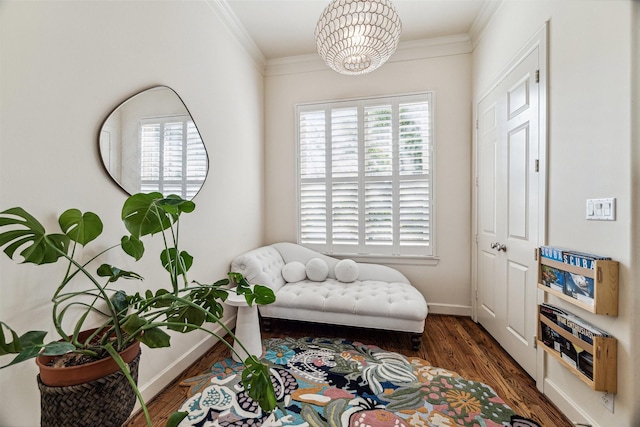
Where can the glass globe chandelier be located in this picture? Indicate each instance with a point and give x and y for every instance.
(357, 36)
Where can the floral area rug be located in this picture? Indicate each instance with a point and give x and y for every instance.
(329, 382)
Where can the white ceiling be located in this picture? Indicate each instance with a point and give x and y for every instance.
(282, 28)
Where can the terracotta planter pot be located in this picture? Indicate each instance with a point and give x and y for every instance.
(74, 375)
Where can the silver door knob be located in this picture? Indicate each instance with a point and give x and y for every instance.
(502, 248)
(494, 245)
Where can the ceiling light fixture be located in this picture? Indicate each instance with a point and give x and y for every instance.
(357, 36)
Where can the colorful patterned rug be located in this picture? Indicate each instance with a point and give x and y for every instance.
(333, 382)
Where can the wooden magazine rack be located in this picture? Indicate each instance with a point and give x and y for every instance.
(603, 349)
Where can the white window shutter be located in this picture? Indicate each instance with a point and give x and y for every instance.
(364, 176)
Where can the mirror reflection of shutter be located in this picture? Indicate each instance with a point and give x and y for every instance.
(150, 157)
(196, 164)
(173, 157)
(313, 194)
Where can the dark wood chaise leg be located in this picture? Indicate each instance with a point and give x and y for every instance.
(416, 341)
(266, 323)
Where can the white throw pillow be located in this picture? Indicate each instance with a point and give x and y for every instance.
(294, 271)
(317, 269)
(347, 270)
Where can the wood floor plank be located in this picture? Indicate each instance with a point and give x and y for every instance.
(450, 342)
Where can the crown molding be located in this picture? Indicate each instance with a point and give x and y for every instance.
(235, 27)
(406, 51)
(483, 19)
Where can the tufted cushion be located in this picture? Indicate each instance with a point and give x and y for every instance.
(368, 298)
(294, 271)
(262, 266)
(317, 269)
(347, 270)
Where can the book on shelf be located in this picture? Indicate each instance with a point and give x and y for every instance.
(578, 358)
(571, 323)
(579, 287)
(571, 257)
(553, 278)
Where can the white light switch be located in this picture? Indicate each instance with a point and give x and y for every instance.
(601, 209)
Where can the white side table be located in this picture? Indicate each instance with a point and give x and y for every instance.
(247, 328)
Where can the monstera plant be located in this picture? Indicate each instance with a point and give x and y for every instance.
(117, 319)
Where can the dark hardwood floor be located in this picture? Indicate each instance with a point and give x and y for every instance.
(454, 343)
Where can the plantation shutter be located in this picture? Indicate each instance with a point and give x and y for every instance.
(173, 159)
(364, 176)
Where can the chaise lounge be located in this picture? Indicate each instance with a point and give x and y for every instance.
(313, 287)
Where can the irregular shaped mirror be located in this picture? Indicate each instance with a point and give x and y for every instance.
(150, 143)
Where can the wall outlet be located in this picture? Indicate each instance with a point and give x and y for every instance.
(607, 401)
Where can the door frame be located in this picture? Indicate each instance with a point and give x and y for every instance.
(540, 41)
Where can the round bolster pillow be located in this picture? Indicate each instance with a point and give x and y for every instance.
(317, 269)
(347, 270)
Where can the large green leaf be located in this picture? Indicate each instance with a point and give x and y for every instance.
(257, 383)
(120, 302)
(142, 215)
(171, 261)
(152, 337)
(30, 339)
(28, 233)
(184, 316)
(81, 228)
(209, 298)
(176, 418)
(259, 294)
(26, 347)
(132, 246)
(114, 273)
(56, 348)
(263, 295)
(155, 338)
(176, 205)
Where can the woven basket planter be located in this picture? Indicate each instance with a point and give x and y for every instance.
(105, 402)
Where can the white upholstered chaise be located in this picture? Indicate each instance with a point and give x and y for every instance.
(380, 298)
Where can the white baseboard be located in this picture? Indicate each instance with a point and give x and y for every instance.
(566, 405)
(451, 309)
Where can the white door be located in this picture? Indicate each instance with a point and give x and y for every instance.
(508, 209)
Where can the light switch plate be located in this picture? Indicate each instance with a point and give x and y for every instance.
(601, 209)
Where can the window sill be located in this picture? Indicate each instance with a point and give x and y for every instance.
(422, 261)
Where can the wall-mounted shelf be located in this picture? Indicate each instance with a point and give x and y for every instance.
(605, 279)
(603, 352)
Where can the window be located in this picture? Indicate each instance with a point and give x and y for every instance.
(173, 159)
(364, 176)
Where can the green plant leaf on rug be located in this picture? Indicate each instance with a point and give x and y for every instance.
(257, 381)
(176, 418)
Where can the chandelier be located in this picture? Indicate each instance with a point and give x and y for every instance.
(357, 36)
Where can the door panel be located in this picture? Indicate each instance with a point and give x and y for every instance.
(518, 146)
(516, 320)
(487, 269)
(507, 211)
(518, 97)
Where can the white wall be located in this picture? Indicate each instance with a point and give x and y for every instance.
(447, 284)
(589, 151)
(64, 66)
